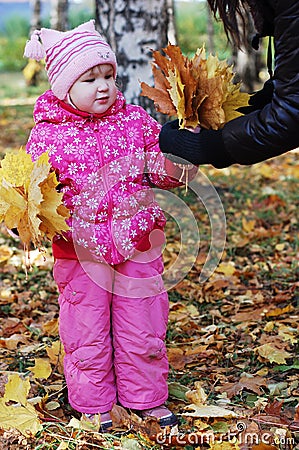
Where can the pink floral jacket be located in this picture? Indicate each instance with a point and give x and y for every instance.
(106, 167)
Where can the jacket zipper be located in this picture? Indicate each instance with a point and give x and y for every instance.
(107, 193)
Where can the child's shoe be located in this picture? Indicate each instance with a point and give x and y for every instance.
(97, 422)
(163, 414)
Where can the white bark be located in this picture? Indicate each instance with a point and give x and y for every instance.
(59, 14)
(134, 28)
(35, 22)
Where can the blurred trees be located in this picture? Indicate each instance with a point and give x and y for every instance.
(247, 61)
(36, 17)
(134, 28)
(59, 14)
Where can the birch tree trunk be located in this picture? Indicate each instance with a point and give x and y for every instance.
(134, 28)
(247, 61)
(59, 14)
(35, 22)
(210, 30)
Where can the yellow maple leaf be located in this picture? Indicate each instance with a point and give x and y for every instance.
(16, 389)
(29, 200)
(24, 418)
(41, 368)
(272, 354)
(227, 268)
(176, 92)
(13, 171)
(21, 415)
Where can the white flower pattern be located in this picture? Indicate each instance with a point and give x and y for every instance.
(106, 167)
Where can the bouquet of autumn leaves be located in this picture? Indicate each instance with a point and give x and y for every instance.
(29, 201)
(199, 91)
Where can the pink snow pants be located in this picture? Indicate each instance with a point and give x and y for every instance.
(112, 324)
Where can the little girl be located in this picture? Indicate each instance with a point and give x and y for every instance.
(108, 267)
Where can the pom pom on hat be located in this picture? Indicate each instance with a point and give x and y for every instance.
(34, 48)
(69, 54)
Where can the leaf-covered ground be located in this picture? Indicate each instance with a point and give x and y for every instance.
(232, 341)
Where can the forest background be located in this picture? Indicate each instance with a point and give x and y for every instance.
(232, 341)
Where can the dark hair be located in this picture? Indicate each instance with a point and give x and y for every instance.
(231, 12)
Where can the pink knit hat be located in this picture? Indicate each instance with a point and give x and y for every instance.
(69, 54)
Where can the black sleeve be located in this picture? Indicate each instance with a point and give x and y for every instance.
(272, 130)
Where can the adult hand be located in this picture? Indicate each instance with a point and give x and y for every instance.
(184, 147)
(260, 98)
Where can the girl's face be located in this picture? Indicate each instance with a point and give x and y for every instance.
(95, 91)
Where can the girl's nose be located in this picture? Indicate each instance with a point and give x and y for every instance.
(102, 85)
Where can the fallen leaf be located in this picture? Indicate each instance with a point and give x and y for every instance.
(227, 268)
(197, 396)
(22, 417)
(41, 368)
(209, 411)
(51, 327)
(16, 389)
(226, 446)
(56, 355)
(272, 354)
(5, 253)
(252, 384)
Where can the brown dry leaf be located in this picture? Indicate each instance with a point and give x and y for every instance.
(120, 417)
(51, 327)
(12, 342)
(197, 396)
(252, 384)
(178, 359)
(159, 94)
(200, 91)
(263, 446)
(56, 355)
(280, 311)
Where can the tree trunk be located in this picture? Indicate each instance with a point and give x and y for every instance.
(247, 61)
(134, 28)
(59, 14)
(210, 30)
(35, 22)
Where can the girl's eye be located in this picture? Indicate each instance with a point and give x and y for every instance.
(89, 80)
(107, 77)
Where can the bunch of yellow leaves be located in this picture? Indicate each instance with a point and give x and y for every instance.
(29, 200)
(199, 91)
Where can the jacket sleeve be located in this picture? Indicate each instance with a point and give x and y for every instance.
(34, 145)
(272, 130)
(162, 172)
